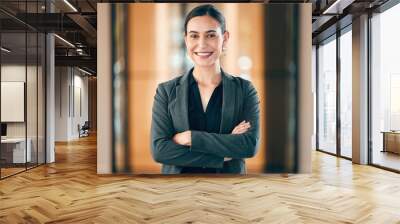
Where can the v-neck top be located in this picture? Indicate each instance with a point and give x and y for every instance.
(208, 121)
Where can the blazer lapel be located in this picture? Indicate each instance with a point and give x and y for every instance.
(228, 103)
(181, 106)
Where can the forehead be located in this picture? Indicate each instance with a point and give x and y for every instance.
(203, 24)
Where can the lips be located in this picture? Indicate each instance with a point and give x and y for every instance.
(203, 54)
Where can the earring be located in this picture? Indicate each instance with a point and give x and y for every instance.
(223, 51)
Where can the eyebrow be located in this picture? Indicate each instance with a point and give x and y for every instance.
(209, 31)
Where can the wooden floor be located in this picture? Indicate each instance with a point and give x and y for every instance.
(5, 172)
(69, 191)
(8, 171)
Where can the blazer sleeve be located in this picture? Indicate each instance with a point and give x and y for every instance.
(166, 151)
(233, 145)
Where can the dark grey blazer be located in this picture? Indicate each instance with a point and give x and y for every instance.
(170, 116)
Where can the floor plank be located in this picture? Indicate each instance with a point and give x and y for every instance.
(70, 191)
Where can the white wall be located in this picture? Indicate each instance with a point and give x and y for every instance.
(70, 83)
(61, 103)
(12, 73)
(80, 83)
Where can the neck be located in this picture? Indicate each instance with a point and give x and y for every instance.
(207, 75)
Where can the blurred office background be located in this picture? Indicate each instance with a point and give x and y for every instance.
(157, 53)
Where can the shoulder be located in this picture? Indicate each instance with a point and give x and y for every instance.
(170, 83)
(168, 86)
(248, 92)
(244, 84)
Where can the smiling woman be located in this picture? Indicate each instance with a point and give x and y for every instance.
(199, 90)
(205, 121)
(186, 52)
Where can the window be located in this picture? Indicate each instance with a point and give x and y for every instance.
(385, 88)
(346, 94)
(327, 96)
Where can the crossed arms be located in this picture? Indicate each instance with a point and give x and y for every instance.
(199, 148)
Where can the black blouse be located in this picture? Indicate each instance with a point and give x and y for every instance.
(208, 121)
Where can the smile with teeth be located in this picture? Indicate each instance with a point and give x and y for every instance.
(203, 54)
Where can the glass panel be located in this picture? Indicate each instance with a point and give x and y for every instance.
(31, 100)
(327, 97)
(13, 87)
(31, 85)
(22, 88)
(346, 94)
(386, 89)
(41, 99)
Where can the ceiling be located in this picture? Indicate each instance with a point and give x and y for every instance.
(77, 25)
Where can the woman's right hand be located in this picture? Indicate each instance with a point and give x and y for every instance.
(241, 128)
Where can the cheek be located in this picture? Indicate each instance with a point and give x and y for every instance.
(218, 45)
(190, 47)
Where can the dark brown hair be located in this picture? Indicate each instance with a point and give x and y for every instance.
(206, 10)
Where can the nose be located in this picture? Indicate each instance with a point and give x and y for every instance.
(202, 42)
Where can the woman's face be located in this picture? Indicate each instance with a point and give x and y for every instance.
(204, 40)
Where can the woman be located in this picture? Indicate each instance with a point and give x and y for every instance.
(205, 121)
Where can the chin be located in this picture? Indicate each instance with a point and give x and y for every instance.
(204, 63)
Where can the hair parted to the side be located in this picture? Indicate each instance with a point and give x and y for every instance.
(208, 10)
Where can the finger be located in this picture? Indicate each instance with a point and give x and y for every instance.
(235, 128)
(241, 130)
(243, 125)
(237, 131)
(234, 131)
(244, 128)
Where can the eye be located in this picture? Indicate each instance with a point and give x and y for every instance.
(211, 35)
(194, 36)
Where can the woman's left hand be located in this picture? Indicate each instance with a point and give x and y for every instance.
(183, 138)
